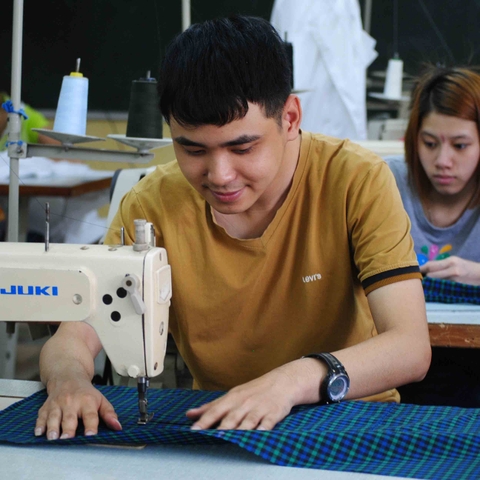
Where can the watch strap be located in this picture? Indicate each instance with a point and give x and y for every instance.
(335, 367)
(332, 362)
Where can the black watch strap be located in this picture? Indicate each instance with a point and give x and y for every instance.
(332, 362)
(335, 367)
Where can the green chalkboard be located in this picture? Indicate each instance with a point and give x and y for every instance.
(118, 41)
(432, 31)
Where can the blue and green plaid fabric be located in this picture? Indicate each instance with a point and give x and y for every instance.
(448, 291)
(379, 438)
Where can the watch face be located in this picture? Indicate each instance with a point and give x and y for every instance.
(338, 387)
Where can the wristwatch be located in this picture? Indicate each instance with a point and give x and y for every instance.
(337, 382)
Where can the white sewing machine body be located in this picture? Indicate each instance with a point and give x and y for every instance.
(124, 294)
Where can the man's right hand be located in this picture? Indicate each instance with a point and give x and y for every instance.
(66, 368)
(71, 400)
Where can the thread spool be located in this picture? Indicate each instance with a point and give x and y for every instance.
(144, 117)
(71, 114)
(393, 79)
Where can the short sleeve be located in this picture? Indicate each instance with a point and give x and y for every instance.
(379, 230)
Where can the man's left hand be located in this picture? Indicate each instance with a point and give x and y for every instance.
(259, 404)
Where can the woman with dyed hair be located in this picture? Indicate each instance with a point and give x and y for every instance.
(439, 183)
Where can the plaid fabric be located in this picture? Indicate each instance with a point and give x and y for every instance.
(448, 291)
(379, 438)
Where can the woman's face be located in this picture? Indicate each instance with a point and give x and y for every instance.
(449, 151)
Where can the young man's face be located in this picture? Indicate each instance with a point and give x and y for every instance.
(240, 166)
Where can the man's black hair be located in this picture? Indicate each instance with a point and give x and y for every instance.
(213, 69)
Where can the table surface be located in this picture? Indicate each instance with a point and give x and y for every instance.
(453, 313)
(383, 147)
(202, 462)
(62, 186)
(450, 324)
(454, 325)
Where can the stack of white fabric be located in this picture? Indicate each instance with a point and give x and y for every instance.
(72, 220)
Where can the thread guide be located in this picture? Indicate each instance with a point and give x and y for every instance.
(67, 139)
(69, 135)
(141, 144)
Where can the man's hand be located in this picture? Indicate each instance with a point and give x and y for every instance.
(69, 401)
(261, 403)
(453, 268)
(66, 368)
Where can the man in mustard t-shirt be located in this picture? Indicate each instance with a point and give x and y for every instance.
(294, 276)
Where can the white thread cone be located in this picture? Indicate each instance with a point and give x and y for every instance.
(71, 114)
(393, 80)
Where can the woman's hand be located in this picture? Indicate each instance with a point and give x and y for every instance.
(453, 268)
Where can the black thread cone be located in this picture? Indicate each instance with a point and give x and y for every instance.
(144, 117)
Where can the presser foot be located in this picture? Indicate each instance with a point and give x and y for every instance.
(142, 386)
(144, 419)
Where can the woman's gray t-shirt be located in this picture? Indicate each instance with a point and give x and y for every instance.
(434, 243)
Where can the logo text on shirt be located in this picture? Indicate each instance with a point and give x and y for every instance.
(311, 278)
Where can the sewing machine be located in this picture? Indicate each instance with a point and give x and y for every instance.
(122, 291)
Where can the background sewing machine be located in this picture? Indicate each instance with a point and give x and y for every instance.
(122, 291)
